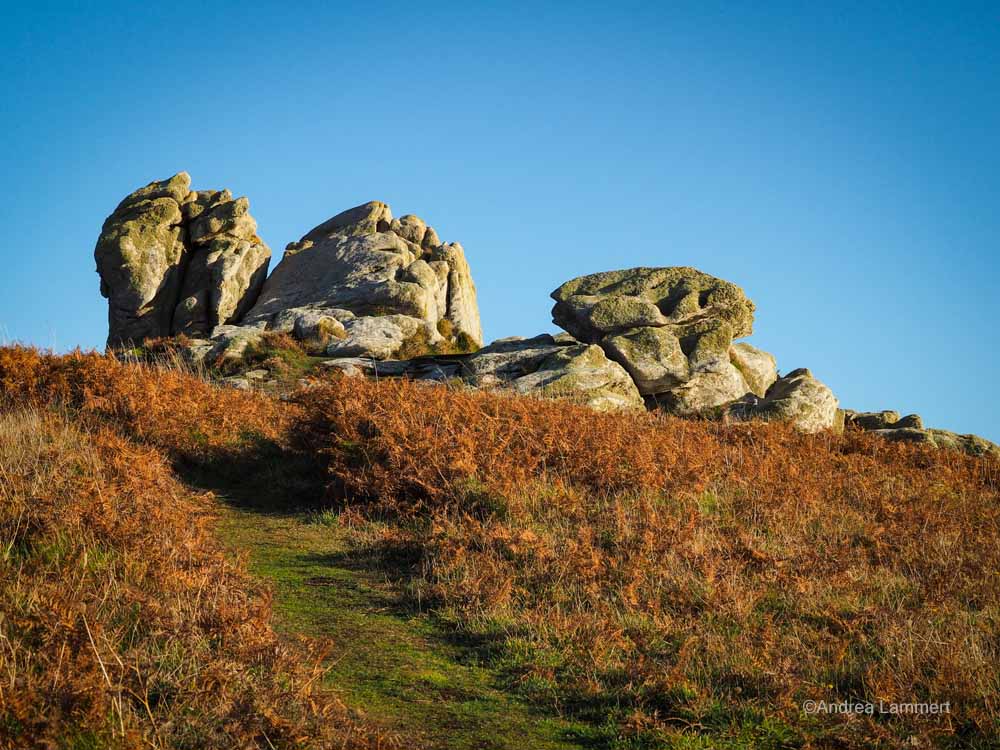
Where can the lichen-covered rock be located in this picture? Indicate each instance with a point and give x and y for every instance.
(589, 307)
(462, 307)
(173, 260)
(140, 256)
(220, 283)
(758, 368)
(652, 356)
(881, 420)
(367, 218)
(552, 368)
(381, 270)
(672, 329)
(230, 343)
(798, 398)
(910, 429)
(709, 387)
(583, 374)
(870, 420)
(224, 217)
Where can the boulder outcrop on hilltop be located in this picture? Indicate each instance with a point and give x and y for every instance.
(173, 260)
(176, 261)
(369, 294)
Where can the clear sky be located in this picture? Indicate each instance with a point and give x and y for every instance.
(840, 163)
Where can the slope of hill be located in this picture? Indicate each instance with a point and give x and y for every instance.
(665, 582)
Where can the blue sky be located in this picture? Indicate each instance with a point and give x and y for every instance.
(839, 163)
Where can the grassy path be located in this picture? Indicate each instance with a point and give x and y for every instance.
(394, 665)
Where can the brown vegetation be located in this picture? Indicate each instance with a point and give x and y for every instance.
(693, 582)
(122, 621)
(691, 576)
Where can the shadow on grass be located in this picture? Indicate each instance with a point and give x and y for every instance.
(261, 476)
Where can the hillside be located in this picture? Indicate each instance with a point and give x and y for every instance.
(603, 579)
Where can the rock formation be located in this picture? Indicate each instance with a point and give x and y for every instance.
(173, 260)
(910, 429)
(545, 366)
(176, 261)
(383, 296)
(672, 329)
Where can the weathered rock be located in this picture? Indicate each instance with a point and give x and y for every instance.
(140, 256)
(881, 420)
(177, 188)
(172, 260)
(709, 387)
(870, 420)
(221, 282)
(305, 318)
(367, 218)
(544, 367)
(365, 262)
(198, 201)
(652, 356)
(410, 228)
(912, 421)
(226, 217)
(910, 429)
(230, 343)
(379, 337)
(758, 368)
(237, 382)
(582, 374)
(672, 329)
(196, 351)
(462, 306)
(589, 307)
(798, 398)
(540, 366)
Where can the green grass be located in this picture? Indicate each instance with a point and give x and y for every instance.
(396, 665)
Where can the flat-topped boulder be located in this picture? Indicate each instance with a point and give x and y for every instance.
(545, 366)
(680, 298)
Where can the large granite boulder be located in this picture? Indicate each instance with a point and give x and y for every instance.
(173, 260)
(798, 398)
(363, 265)
(672, 329)
(140, 256)
(683, 299)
